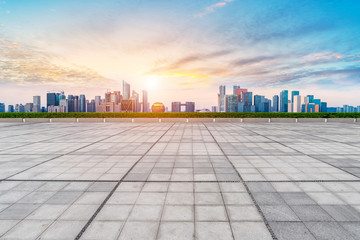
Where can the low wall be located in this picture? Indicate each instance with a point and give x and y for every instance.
(180, 120)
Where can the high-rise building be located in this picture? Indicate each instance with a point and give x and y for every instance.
(11, 108)
(323, 107)
(284, 98)
(221, 98)
(258, 99)
(126, 90)
(234, 89)
(29, 107)
(311, 98)
(97, 100)
(136, 97)
(214, 108)
(76, 104)
(64, 105)
(275, 107)
(190, 107)
(2, 107)
(90, 106)
(293, 94)
(36, 104)
(231, 103)
(82, 104)
(176, 107)
(50, 99)
(297, 104)
(290, 106)
(145, 102)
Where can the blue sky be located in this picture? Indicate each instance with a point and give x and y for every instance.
(180, 50)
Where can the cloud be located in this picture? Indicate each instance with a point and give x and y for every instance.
(24, 65)
(212, 8)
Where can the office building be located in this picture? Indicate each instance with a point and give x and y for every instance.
(297, 104)
(97, 100)
(214, 109)
(11, 108)
(36, 104)
(290, 106)
(231, 103)
(176, 107)
(145, 102)
(136, 97)
(275, 107)
(2, 107)
(29, 107)
(311, 98)
(258, 99)
(293, 94)
(221, 98)
(50, 99)
(284, 100)
(126, 90)
(82, 103)
(323, 107)
(190, 107)
(235, 87)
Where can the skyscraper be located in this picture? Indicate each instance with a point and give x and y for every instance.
(50, 99)
(297, 104)
(231, 103)
(97, 99)
(258, 99)
(2, 107)
(36, 104)
(10, 108)
(235, 87)
(294, 93)
(190, 107)
(214, 108)
(82, 103)
(29, 107)
(284, 98)
(126, 90)
(145, 103)
(275, 107)
(221, 98)
(176, 107)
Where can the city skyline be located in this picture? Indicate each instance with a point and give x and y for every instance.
(180, 50)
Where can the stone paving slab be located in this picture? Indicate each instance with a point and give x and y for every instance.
(179, 180)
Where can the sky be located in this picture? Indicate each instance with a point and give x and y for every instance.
(180, 50)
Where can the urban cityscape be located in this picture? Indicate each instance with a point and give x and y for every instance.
(241, 100)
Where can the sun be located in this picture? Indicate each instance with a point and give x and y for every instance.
(151, 82)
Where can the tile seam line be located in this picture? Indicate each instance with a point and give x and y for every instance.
(83, 230)
(266, 222)
(164, 181)
(309, 155)
(65, 153)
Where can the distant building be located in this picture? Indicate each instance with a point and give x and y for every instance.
(158, 107)
(297, 104)
(50, 99)
(82, 103)
(214, 108)
(19, 108)
(29, 107)
(235, 87)
(290, 106)
(293, 94)
(231, 103)
(284, 101)
(136, 97)
(145, 102)
(221, 98)
(323, 107)
(36, 104)
(190, 107)
(11, 108)
(127, 105)
(126, 90)
(203, 110)
(275, 107)
(2, 107)
(111, 102)
(97, 100)
(176, 107)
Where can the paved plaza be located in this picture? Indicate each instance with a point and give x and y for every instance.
(180, 181)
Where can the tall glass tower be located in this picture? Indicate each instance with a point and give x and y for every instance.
(221, 98)
(284, 100)
(126, 90)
